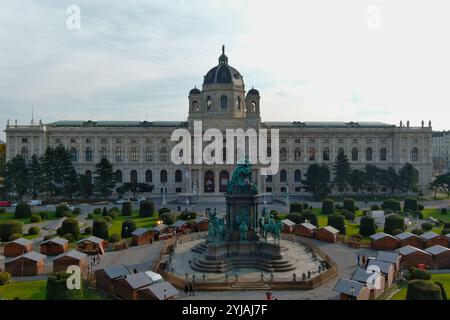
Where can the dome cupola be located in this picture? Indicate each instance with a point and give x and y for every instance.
(223, 73)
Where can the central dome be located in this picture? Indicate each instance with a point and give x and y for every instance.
(223, 73)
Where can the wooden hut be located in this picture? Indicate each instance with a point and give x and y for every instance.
(18, 247)
(92, 245)
(374, 280)
(327, 234)
(162, 290)
(352, 290)
(27, 265)
(431, 238)
(54, 246)
(180, 226)
(383, 241)
(70, 258)
(411, 257)
(410, 239)
(201, 224)
(441, 256)
(391, 257)
(288, 226)
(141, 236)
(161, 231)
(385, 268)
(305, 229)
(106, 277)
(128, 287)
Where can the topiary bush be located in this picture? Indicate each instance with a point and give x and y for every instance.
(69, 237)
(392, 204)
(427, 226)
(90, 216)
(76, 211)
(35, 218)
(311, 217)
(127, 208)
(418, 215)
(128, 226)
(14, 236)
(420, 207)
(337, 206)
(168, 218)
(48, 237)
(296, 207)
(411, 204)
(5, 278)
(146, 208)
(367, 226)
(416, 273)
(417, 232)
(445, 231)
(60, 210)
(97, 211)
(34, 230)
(2, 210)
(57, 288)
(114, 238)
(393, 222)
(107, 219)
(23, 210)
(374, 207)
(327, 206)
(8, 228)
(104, 212)
(43, 215)
(88, 230)
(443, 293)
(70, 226)
(67, 214)
(337, 221)
(396, 232)
(187, 216)
(349, 215)
(444, 211)
(423, 290)
(349, 204)
(100, 229)
(305, 206)
(295, 217)
(113, 214)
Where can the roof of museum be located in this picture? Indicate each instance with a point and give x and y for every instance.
(127, 124)
(316, 124)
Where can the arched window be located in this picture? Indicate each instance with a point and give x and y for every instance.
(103, 153)
(148, 176)
(208, 103)
(119, 177)
(224, 102)
(88, 175)
(88, 154)
(253, 106)
(73, 155)
(326, 154)
(148, 154)
(133, 176)
(298, 176)
(238, 103)
(369, 154)
(118, 154)
(283, 154)
(163, 154)
(133, 154)
(25, 153)
(414, 155)
(383, 153)
(340, 150)
(195, 107)
(283, 176)
(178, 176)
(269, 178)
(163, 176)
(224, 177)
(297, 154)
(355, 154)
(209, 182)
(312, 154)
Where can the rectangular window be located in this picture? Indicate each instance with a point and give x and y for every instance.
(24, 140)
(341, 140)
(269, 189)
(355, 140)
(178, 190)
(283, 140)
(297, 140)
(283, 189)
(88, 140)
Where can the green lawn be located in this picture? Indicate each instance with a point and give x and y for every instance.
(36, 290)
(10, 216)
(436, 213)
(444, 278)
(116, 223)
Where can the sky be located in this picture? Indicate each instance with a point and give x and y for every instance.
(321, 60)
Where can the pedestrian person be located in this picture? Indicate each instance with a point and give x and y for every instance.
(358, 258)
(186, 288)
(191, 289)
(363, 260)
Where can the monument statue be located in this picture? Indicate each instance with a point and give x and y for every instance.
(243, 231)
(241, 180)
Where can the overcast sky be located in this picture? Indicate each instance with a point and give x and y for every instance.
(311, 60)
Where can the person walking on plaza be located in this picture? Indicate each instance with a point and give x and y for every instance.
(363, 260)
(186, 289)
(358, 259)
(191, 289)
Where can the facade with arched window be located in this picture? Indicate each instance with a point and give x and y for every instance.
(139, 149)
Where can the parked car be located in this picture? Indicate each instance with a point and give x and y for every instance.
(5, 203)
(120, 201)
(138, 199)
(35, 202)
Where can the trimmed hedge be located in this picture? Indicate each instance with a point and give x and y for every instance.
(100, 229)
(444, 211)
(296, 207)
(374, 207)
(57, 288)
(328, 206)
(311, 216)
(8, 228)
(411, 204)
(2, 210)
(168, 218)
(392, 204)
(104, 212)
(349, 204)
(88, 230)
(5, 278)
(445, 231)
(127, 208)
(423, 290)
(367, 226)
(416, 273)
(164, 210)
(14, 236)
(112, 214)
(187, 216)
(420, 207)
(295, 217)
(443, 293)
(23, 210)
(34, 230)
(393, 222)
(349, 215)
(128, 226)
(43, 215)
(69, 237)
(417, 232)
(35, 218)
(114, 238)
(97, 211)
(426, 226)
(60, 210)
(70, 226)
(146, 208)
(337, 221)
